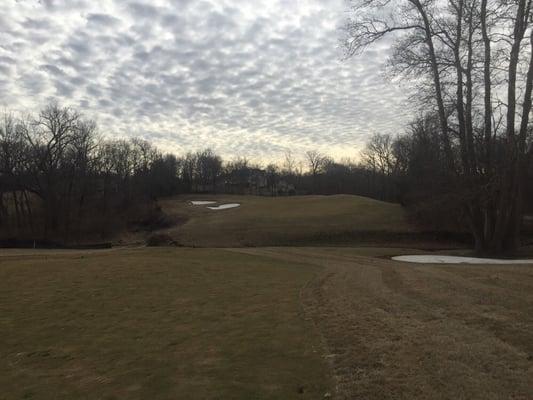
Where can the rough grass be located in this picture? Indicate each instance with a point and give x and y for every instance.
(156, 324)
(401, 331)
(262, 323)
(261, 221)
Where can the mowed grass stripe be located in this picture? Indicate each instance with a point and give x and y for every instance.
(158, 324)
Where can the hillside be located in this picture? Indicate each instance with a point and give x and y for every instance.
(260, 221)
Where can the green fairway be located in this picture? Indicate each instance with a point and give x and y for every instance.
(157, 324)
(298, 220)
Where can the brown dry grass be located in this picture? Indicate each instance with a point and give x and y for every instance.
(155, 324)
(404, 331)
(259, 323)
(273, 221)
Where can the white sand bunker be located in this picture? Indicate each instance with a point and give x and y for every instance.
(225, 206)
(442, 259)
(202, 202)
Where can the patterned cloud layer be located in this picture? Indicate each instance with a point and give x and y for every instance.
(246, 78)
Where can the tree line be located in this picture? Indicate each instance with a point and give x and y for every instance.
(60, 179)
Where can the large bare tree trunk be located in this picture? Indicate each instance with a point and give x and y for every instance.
(17, 210)
(459, 102)
(469, 128)
(521, 163)
(508, 208)
(437, 83)
(2, 209)
(488, 209)
(487, 82)
(30, 213)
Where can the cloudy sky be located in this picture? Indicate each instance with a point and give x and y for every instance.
(246, 78)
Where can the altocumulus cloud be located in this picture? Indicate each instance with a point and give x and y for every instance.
(246, 78)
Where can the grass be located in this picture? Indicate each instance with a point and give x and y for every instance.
(401, 331)
(156, 324)
(266, 221)
(261, 323)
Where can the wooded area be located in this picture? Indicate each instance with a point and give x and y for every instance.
(464, 163)
(60, 180)
(472, 62)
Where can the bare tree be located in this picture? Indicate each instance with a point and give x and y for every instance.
(316, 162)
(49, 137)
(369, 23)
(289, 163)
(272, 177)
(208, 169)
(462, 55)
(12, 159)
(378, 154)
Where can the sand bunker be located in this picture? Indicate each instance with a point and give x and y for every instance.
(202, 202)
(225, 206)
(442, 259)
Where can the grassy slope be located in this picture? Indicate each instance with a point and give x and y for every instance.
(283, 220)
(156, 324)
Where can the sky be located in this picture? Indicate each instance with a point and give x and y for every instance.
(246, 78)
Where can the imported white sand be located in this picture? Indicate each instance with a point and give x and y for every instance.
(225, 206)
(443, 259)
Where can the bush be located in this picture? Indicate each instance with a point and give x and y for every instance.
(160, 240)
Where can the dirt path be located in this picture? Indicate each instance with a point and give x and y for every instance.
(402, 331)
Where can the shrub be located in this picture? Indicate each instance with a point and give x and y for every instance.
(160, 240)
